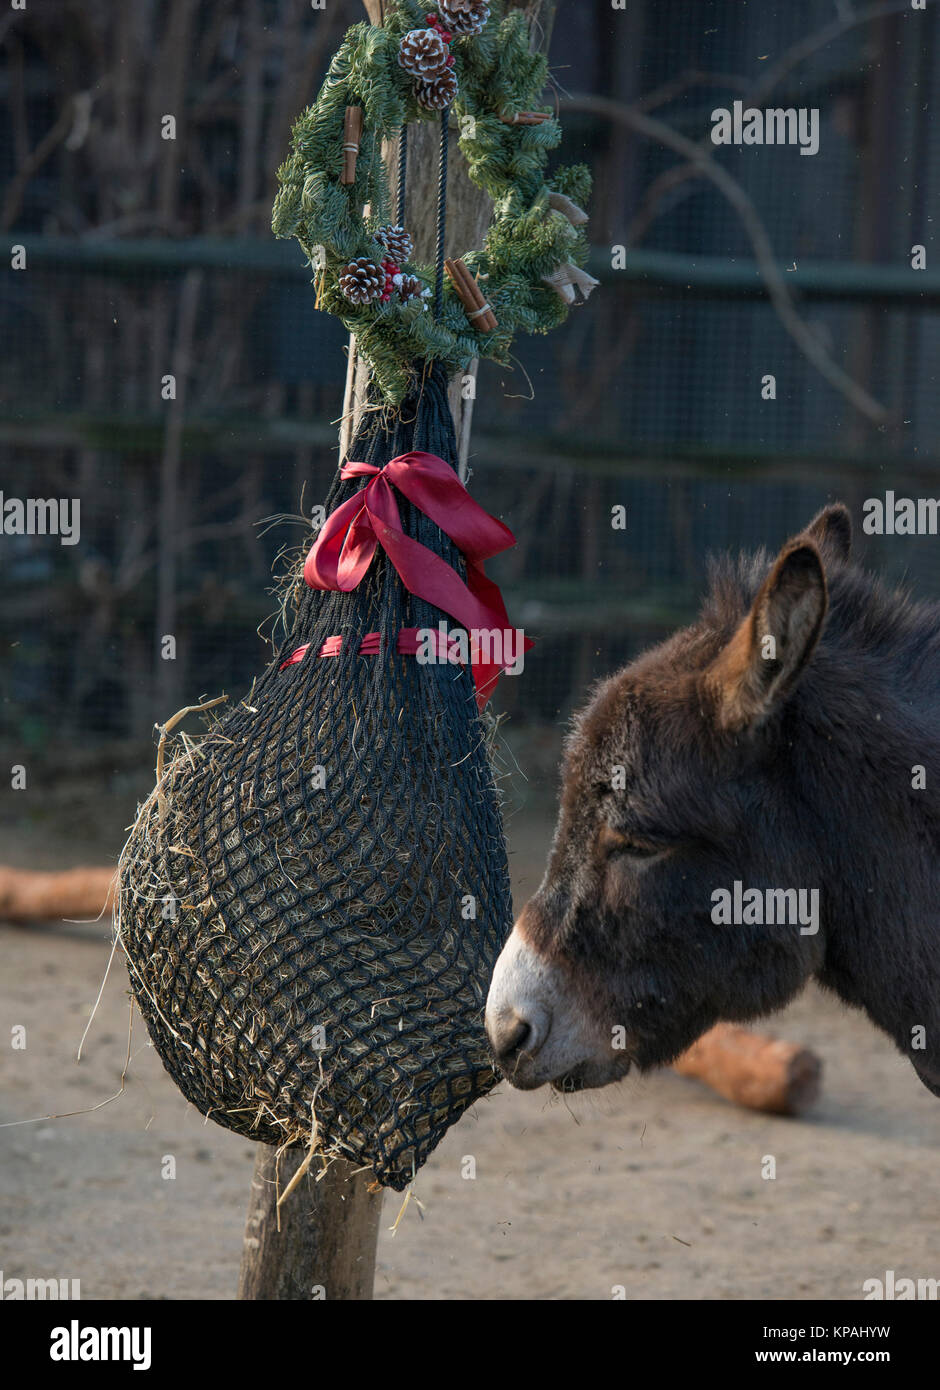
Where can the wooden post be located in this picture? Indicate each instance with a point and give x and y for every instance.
(469, 211)
(329, 1230)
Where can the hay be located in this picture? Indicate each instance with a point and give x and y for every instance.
(257, 907)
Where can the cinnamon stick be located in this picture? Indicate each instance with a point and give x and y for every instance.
(352, 135)
(479, 314)
(527, 118)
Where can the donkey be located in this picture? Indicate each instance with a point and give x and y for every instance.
(788, 740)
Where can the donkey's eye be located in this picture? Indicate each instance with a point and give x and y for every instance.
(638, 851)
(613, 842)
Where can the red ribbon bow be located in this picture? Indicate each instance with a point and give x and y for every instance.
(344, 549)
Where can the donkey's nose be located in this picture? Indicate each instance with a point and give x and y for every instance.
(512, 1033)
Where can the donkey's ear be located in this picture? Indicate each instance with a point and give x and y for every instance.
(832, 532)
(764, 659)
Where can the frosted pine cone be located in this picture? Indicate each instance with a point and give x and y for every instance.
(423, 54)
(410, 287)
(464, 16)
(362, 281)
(397, 243)
(437, 93)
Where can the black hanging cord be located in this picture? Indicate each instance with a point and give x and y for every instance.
(441, 216)
(402, 173)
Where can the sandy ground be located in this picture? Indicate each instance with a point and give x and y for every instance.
(654, 1184)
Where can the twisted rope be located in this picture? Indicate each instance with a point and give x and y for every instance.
(402, 173)
(441, 216)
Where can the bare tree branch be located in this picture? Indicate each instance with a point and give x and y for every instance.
(779, 294)
(53, 137)
(652, 204)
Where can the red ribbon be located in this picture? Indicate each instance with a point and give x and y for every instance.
(406, 644)
(346, 545)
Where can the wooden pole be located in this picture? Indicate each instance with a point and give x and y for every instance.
(325, 1248)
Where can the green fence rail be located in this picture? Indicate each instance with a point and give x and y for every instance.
(655, 271)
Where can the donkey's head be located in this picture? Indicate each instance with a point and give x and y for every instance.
(678, 780)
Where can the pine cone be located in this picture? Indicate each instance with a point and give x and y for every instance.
(362, 281)
(423, 54)
(464, 16)
(397, 243)
(438, 92)
(410, 287)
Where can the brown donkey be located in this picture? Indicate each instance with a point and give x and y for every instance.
(746, 806)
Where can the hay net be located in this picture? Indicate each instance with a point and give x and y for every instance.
(312, 926)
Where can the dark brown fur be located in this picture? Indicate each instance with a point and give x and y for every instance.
(794, 771)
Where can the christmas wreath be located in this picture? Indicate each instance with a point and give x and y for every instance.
(463, 61)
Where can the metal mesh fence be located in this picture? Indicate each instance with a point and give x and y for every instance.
(649, 399)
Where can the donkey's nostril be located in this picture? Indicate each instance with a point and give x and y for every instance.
(511, 1035)
(516, 1040)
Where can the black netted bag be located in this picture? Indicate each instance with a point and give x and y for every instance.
(312, 922)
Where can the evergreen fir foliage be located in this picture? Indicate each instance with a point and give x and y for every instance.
(497, 77)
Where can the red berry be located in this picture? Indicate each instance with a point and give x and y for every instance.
(431, 18)
(445, 36)
(451, 61)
